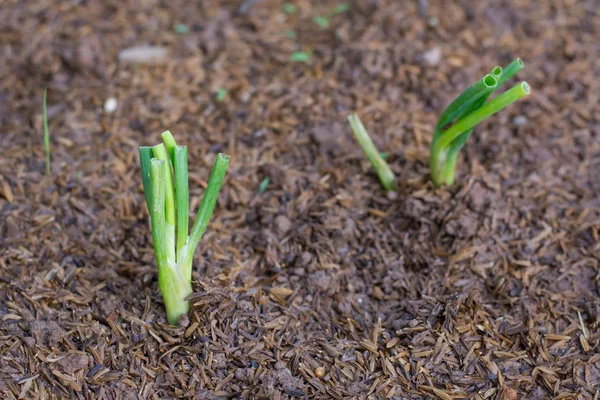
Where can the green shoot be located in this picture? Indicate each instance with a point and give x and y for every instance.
(385, 174)
(264, 184)
(221, 94)
(289, 8)
(339, 9)
(165, 179)
(322, 21)
(302, 56)
(182, 29)
(456, 123)
(290, 34)
(46, 134)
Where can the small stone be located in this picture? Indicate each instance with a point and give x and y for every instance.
(279, 365)
(283, 223)
(520, 120)
(319, 372)
(143, 54)
(184, 321)
(110, 105)
(433, 56)
(377, 293)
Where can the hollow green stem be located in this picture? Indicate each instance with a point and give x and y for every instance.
(145, 157)
(382, 169)
(510, 70)
(510, 96)
(170, 144)
(181, 196)
(465, 101)
(206, 209)
(157, 211)
(159, 151)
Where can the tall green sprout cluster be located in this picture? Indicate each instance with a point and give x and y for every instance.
(165, 180)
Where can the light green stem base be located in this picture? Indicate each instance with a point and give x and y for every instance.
(443, 168)
(174, 288)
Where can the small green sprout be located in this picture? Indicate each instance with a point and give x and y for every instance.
(165, 179)
(385, 174)
(46, 134)
(221, 94)
(322, 21)
(182, 29)
(469, 109)
(340, 8)
(289, 8)
(263, 185)
(290, 34)
(302, 56)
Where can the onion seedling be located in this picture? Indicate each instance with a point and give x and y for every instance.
(165, 180)
(469, 109)
(382, 169)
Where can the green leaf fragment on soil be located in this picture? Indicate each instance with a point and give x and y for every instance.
(289, 8)
(322, 21)
(182, 29)
(301, 56)
(340, 8)
(221, 95)
(263, 185)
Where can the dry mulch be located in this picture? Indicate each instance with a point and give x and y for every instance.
(321, 286)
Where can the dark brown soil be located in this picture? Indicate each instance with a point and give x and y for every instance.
(322, 286)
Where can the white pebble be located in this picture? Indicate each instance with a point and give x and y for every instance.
(141, 54)
(520, 120)
(433, 56)
(110, 105)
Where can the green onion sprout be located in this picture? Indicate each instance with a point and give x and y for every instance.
(289, 8)
(456, 123)
(302, 56)
(221, 94)
(385, 174)
(165, 180)
(264, 184)
(322, 21)
(46, 134)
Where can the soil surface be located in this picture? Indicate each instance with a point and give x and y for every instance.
(321, 286)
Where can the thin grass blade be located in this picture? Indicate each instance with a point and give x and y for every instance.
(46, 134)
